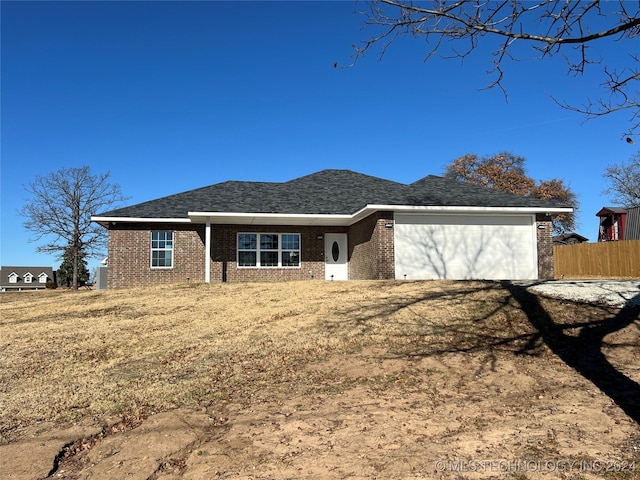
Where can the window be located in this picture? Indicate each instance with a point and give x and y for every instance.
(13, 278)
(247, 250)
(268, 249)
(28, 278)
(290, 250)
(161, 249)
(42, 278)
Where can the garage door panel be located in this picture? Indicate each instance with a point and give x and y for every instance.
(464, 247)
(455, 220)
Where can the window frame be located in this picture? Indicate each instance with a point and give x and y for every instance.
(165, 249)
(259, 250)
(28, 277)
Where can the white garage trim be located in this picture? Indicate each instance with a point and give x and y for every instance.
(463, 246)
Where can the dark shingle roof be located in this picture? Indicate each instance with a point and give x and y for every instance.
(433, 190)
(567, 238)
(5, 271)
(22, 271)
(324, 192)
(605, 210)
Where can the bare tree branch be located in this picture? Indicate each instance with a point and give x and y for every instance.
(549, 27)
(622, 95)
(60, 210)
(624, 182)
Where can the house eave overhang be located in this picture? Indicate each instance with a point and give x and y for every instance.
(227, 218)
(463, 209)
(349, 219)
(106, 221)
(254, 218)
(611, 211)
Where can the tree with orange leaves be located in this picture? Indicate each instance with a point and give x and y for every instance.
(506, 172)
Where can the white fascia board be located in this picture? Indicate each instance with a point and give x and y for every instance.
(105, 220)
(269, 218)
(463, 209)
(324, 219)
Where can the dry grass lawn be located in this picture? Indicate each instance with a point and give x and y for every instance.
(315, 380)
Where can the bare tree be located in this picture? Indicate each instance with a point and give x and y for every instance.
(60, 208)
(624, 181)
(506, 172)
(549, 27)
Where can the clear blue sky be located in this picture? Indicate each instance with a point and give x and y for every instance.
(171, 96)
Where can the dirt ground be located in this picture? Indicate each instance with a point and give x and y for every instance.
(390, 380)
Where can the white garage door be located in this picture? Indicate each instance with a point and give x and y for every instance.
(461, 247)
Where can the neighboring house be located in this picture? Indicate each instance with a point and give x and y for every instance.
(25, 278)
(612, 223)
(569, 239)
(333, 225)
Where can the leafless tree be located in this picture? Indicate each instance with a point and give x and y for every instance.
(60, 208)
(624, 182)
(565, 28)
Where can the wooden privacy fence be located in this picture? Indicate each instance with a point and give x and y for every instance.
(602, 259)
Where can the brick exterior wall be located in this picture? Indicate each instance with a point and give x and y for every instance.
(224, 253)
(371, 248)
(130, 255)
(545, 246)
(371, 252)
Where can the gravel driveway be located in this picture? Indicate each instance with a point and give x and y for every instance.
(610, 292)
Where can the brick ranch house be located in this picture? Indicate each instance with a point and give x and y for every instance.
(332, 225)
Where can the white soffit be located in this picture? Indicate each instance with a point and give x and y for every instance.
(268, 219)
(345, 220)
(104, 221)
(325, 219)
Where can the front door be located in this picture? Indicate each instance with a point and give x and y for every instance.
(336, 256)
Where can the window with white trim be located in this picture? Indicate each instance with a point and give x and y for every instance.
(13, 278)
(161, 249)
(28, 278)
(269, 250)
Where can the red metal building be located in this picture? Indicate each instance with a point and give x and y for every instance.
(612, 223)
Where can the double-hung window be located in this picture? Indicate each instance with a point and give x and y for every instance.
(247, 249)
(290, 249)
(161, 249)
(268, 249)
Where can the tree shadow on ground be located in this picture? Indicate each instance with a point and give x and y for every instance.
(584, 352)
(500, 317)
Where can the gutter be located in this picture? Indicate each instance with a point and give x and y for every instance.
(248, 218)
